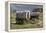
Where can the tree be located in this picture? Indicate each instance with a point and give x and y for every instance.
(38, 10)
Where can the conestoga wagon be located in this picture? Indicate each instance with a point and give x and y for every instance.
(26, 16)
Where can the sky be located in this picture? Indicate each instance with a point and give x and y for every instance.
(22, 7)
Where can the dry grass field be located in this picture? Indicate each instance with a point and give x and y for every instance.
(33, 23)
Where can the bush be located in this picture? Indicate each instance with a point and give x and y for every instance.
(19, 20)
